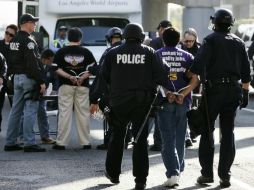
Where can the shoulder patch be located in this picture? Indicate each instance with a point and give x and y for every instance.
(30, 45)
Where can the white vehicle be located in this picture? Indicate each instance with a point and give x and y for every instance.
(93, 17)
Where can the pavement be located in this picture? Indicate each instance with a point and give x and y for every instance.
(77, 169)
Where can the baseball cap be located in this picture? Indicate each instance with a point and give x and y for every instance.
(62, 28)
(27, 18)
(164, 24)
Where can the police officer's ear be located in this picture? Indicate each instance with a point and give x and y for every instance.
(222, 20)
(114, 31)
(108, 39)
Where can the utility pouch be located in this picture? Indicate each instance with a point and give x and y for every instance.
(197, 119)
(10, 84)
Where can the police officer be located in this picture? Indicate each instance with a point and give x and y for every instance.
(28, 83)
(157, 43)
(99, 90)
(222, 60)
(61, 40)
(131, 71)
(10, 32)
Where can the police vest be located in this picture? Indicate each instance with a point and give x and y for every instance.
(60, 43)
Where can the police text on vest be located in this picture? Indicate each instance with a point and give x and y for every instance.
(14, 46)
(130, 59)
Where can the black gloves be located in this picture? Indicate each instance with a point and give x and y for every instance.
(245, 99)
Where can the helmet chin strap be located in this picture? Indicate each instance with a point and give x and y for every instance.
(221, 29)
(211, 25)
(222, 20)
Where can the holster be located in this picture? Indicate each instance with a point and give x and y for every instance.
(159, 101)
(10, 84)
(33, 94)
(197, 119)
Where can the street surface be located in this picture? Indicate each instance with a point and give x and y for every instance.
(77, 169)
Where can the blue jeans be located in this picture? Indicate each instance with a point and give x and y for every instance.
(43, 123)
(172, 124)
(20, 107)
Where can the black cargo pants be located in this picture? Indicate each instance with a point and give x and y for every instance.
(222, 100)
(133, 110)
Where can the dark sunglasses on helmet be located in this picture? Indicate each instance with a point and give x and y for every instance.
(9, 34)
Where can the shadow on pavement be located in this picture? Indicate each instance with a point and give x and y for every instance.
(99, 186)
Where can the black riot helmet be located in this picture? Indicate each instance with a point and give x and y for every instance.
(223, 17)
(134, 31)
(113, 32)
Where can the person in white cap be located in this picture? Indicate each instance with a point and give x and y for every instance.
(61, 40)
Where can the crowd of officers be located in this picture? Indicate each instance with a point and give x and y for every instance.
(129, 78)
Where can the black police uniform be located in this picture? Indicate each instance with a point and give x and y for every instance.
(24, 57)
(131, 70)
(223, 61)
(99, 91)
(3, 69)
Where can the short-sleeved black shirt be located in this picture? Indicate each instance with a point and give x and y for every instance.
(74, 60)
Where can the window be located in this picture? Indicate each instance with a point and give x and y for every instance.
(32, 9)
(44, 38)
(94, 29)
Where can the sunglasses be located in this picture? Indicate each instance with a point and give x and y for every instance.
(9, 34)
(189, 41)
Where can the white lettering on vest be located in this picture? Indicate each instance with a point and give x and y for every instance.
(14, 46)
(130, 59)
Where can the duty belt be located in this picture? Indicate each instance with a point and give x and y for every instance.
(223, 80)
